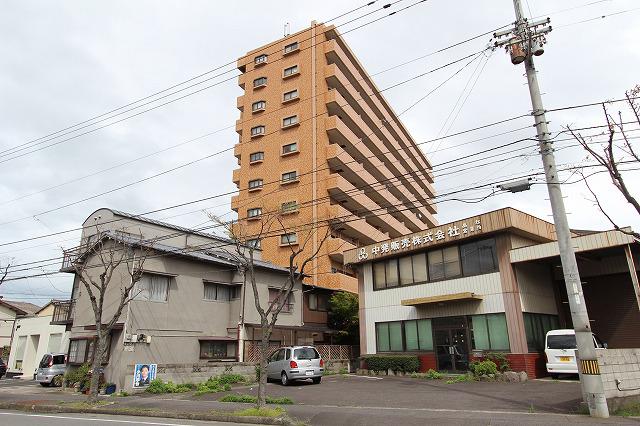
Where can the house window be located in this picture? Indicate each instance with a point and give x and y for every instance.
(235, 292)
(255, 184)
(260, 59)
(257, 130)
(288, 239)
(291, 47)
(254, 243)
(289, 148)
(318, 302)
(255, 212)
(289, 207)
(404, 336)
(479, 257)
(152, 288)
(258, 106)
(217, 292)
(290, 121)
(289, 96)
(289, 176)
(275, 296)
(216, 349)
(291, 71)
(490, 332)
(256, 156)
(259, 82)
(82, 350)
(444, 263)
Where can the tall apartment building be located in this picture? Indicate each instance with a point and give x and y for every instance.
(319, 143)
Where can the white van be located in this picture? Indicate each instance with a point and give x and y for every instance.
(560, 349)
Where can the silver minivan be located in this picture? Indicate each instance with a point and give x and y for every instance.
(51, 369)
(295, 363)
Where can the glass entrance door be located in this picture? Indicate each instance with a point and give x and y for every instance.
(452, 344)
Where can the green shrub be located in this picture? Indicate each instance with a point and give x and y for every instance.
(231, 379)
(483, 368)
(219, 384)
(395, 363)
(431, 375)
(252, 399)
(79, 376)
(461, 378)
(500, 360)
(157, 386)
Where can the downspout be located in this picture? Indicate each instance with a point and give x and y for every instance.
(240, 354)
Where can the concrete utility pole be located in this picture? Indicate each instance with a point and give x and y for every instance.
(523, 42)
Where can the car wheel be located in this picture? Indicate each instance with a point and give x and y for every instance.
(317, 380)
(555, 376)
(284, 379)
(44, 385)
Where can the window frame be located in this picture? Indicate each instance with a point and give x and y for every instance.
(318, 297)
(262, 107)
(252, 186)
(89, 348)
(284, 181)
(291, 123)
(255, 243)
(260, 82)
(214, 358)
(217, 285)
(291, 71)
(292, 98)
(290, 210)
(289, 242)
(254, 213)
(291, 48)
(259, 160)
(148, 299)
(282, 149)
(261, 59)
(403, 336)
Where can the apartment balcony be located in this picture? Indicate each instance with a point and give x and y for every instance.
(241, 80)
(237, 152)
(240, 103)
(342, 135)
(355, 200)
(236, 177)
(341, 162)
(68, 259)
(336, 247)
(235, 200)
(62, 312)
(239, 126)
(340, 282)
(353, 226)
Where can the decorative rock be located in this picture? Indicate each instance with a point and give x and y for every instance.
(511, 376)
(523, 376)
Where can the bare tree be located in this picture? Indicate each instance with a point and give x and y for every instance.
(110, 264)
(612, 156)
(299, 259)
(4, 271)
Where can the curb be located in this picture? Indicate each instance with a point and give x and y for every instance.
(42, 408)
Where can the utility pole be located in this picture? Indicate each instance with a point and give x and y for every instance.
(523, 42)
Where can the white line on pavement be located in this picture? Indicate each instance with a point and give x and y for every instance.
(137, 422)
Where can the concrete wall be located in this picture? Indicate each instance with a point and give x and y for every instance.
(7, 317)
(623, 365)
(536, 288)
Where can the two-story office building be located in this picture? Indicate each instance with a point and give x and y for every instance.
(491, 282)
(191, 305)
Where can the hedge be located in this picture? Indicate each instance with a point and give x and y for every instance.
(395, 363)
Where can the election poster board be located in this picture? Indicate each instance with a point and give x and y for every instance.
(143, 374)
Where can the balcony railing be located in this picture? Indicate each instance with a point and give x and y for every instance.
(68, 259)
(62, 312)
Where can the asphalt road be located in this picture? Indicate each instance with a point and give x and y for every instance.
(16, 418)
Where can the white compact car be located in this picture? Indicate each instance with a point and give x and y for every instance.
(560, 349)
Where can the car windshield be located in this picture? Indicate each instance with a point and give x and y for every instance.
(561, 341)
(306, 353)
(44, 363)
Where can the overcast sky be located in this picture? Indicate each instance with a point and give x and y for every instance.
(64, 62)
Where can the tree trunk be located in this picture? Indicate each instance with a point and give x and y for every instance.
(262, 379)
(95, 368)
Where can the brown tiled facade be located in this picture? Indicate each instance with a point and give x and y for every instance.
(318, 142)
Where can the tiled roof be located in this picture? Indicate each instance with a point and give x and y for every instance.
(22, 308)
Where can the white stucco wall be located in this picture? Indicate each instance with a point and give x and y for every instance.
(7, 316)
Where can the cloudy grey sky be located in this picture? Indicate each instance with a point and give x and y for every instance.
(64, 62)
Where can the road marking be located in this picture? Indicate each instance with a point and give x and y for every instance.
(137, 422)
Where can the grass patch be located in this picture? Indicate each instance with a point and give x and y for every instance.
(461, 378)
(157, 386)
(219, 384)
(85, 405)
(261, 412)
(252, 399)
(630, 410)
(122, 393)
(429, 375)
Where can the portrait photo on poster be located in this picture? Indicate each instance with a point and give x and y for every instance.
(143, 374)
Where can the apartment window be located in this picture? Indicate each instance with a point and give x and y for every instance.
(490, 332)
(254, 243)
(404, 336)
(259, 82)
(260, 59)
(289, 48)
(479, 257)
(254, 157)
(444, 263)
(255, 184)
(289, 238)
(289, 176)
(290, 121)
(257, 131)
(275, 296)
(152, 288)
(255, 212)
(291, 71)
(289, 96)
(289, 207)
(217, 349)
(218, 292)
(318, 302)
(258, 106)
(289, 148)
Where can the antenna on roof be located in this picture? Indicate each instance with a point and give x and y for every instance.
(287, 29)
